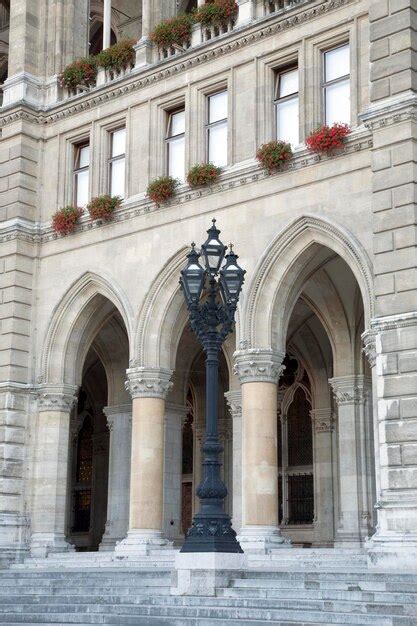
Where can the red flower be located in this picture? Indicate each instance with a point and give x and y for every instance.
(65, 220)
(161, 189)
(103, 207)
(273, 155)
(327, 139)
(203, 174)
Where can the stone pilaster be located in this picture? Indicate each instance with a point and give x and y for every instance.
(175, 416)
(50, 469)
(258, 371)
(148, 388)
(352, 394)
(323, 425)
(234, 402)
(119, 421)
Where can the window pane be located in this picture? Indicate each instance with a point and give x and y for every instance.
(81, 188)
(288, 83)
(218, 107)
(177, 124)
(84, 156)
(117, 178)
(337, 63)
(338, 103)
(287, 121)
(118, 142)
(176, 158)
(217, 144)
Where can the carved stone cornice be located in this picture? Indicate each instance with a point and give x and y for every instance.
(234, 403)
(259, 365)
(117, 415)
(56, 398)
(148, 382)
(350, 389)
(391, 111)
(323, 420)
(394, 322)
(369, 348)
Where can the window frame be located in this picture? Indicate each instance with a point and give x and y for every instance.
(278, 100)
(112, 159)
(210, 125)
(171, 138)
(76, 170)
(340, 79)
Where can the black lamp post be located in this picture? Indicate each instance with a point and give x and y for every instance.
(212, 293)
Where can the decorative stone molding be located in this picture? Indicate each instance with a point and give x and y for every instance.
(323, 420)
(234, 402)
(393, 322)
(369, 349)
(116, 413)
(392, 111)
(259, 365)
(350, 389)
(151, 382)
(56, 398)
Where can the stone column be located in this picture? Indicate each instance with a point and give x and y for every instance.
(119, 421)
(106, 24)
(234, 401)
(247, 10)
(258, 372)
(175, 415)
(350, 394)
(148, 388)
(50, 475)
(323, 425)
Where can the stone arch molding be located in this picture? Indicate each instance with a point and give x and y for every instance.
(270, 287)
(72, 320)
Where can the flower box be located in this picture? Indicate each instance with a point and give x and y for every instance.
(327, 139)
(103, 207)
(118, 57)
(82, 72)
(162, 189)
(203, 174)
(216, 12)
(65, 220)
(273, 155)
(173, 32)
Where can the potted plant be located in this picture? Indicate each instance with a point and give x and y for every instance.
(175, 31)
(203, 174)
(80, 72)
(327, 139)
(65, 220)
(162, 189)
(103, 207)
(118, 57)
(274, 154)
(216, 12)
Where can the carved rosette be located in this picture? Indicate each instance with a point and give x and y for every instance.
(60, 398)
(259, 365)
(350, 389)
(369, 347)
(234, 402)
(323, 420)
(148, 382)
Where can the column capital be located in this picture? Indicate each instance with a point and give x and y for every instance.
(117, 414)
(234, 402)
(350, 389)
(148, 382)
(259, 365)
(56, 397)
(323, 420)
(369, 346)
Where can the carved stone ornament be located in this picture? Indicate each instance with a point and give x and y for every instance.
(117, 414)
(234, 402)
(259, 365)
(350, 389)
(323, 420)
(147, 382)
(57, 398)
(369, 348)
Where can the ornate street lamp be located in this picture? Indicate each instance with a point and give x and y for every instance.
(211, 293)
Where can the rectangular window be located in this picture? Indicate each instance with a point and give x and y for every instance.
(81, 174)
(287, 107)
(336, 85)
(175, 142)
(217, 129)
(117, 162)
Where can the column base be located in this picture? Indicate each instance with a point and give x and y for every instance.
(140, 543)
(202, 573)
(42, 544)
(262, 539)
(392, 552)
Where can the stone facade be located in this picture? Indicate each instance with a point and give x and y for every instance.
(328, 243)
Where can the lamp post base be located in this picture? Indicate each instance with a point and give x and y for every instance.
(202, 573)
(211, 534)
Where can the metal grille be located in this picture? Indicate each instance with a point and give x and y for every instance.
(300, 432)
(301, 499)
